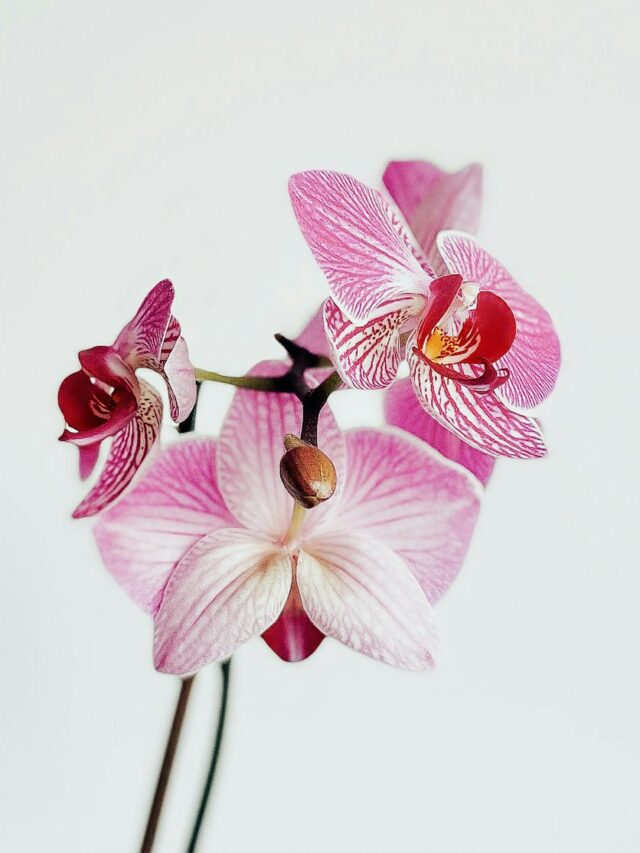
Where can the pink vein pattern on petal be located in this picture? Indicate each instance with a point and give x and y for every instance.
(127, 453)
(479, 419)
(173, 505)
(432, 200)
(142, 337)
(404, 494)
(171, 338)
(534, 358)
(250, 449)
(403, 410)
(366, 356)
(358, 242)
(229, 587)
(357, 590)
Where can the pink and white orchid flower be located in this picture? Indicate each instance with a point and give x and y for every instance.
(106, 398)
(432, 200)
(206, 541)
(477, 344)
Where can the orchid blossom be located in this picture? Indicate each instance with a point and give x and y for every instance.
(478, 346)
(211, 544)
(106, 398)
(432, 200)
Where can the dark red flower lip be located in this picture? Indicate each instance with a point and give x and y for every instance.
(490, 378)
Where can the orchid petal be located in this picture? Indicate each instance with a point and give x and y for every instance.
(89, 454)
(251, 446)
(403, 410)
(357, 590)
(479, 419)
(533, 360)
(229, 587)
(177, 502)
(313, 336)
(367, 356)
(142, 337)
(370, 262)
(127, 453)
(179, 375)
(293, 636)
(403, 493)
(432, 200)
(442, 292)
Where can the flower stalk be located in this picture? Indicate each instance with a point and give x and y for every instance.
(225, 672)
(167, 764)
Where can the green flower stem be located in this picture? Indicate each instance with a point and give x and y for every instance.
(255, 383)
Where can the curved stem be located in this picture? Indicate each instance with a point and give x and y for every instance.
(312, 406)
(167, 763)
(256, 383)
(225, 672)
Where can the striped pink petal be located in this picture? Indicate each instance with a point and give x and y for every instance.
(371, 263)
(366, 356)
(173, 505)
(250, 449)
(293, 636)
(142, 338)
(127, 453)
(404, 494)
(229, 587)
(403, 410)
(534, 358)
(432, 200)
(482, 420)
(356, 589)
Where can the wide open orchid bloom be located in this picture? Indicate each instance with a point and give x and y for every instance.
(106, 398)
(432, 200)
(476, 343)
(205, 542)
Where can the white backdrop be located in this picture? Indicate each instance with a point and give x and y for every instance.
(154, 139)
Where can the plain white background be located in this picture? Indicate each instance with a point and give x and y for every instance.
(154, 139)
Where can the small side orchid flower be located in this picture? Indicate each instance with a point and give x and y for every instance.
(208, 542)
(106, 398)
(476, 343)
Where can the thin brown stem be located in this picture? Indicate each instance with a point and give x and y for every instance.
(167, 763)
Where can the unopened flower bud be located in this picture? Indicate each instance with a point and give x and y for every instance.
(307, 473)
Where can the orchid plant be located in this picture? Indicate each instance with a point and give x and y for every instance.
(284, 526)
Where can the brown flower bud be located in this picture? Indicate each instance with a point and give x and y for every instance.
(307, 473)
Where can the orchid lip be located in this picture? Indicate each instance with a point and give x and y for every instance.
(490, 378)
